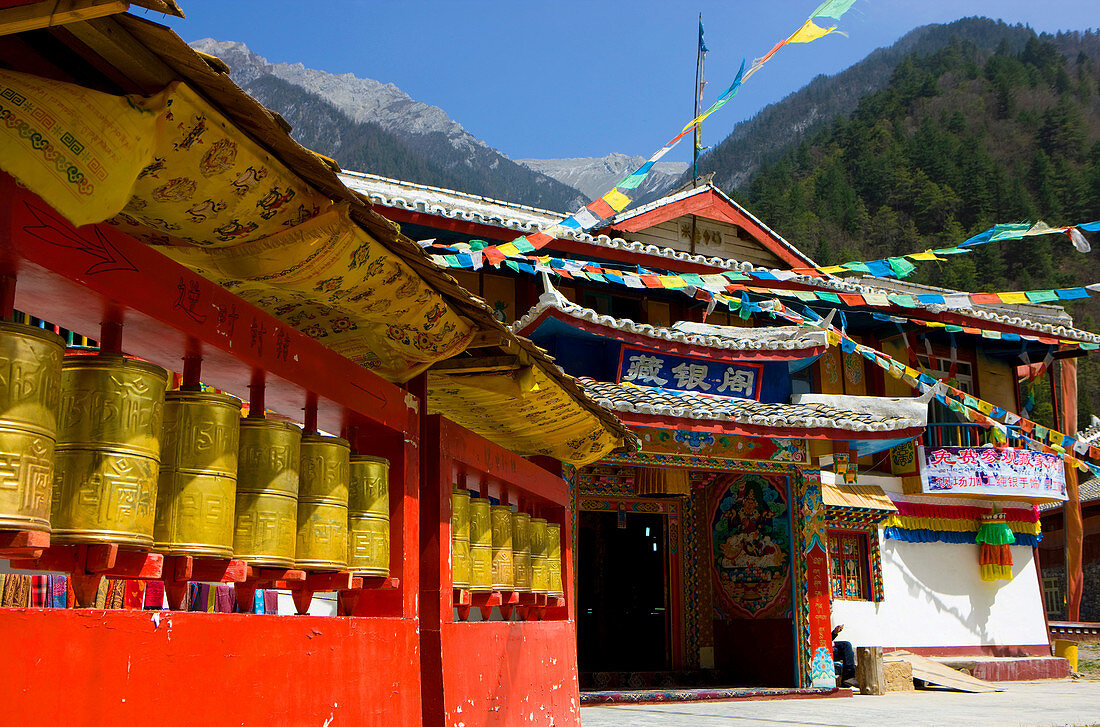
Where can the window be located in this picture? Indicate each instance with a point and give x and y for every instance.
(848, 565)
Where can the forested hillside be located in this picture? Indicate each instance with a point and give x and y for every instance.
(766, 135)
(958, 140)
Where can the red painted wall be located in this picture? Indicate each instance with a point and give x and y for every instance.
(511, 673)
(96, 668)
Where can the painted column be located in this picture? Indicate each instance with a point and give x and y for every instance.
(815, 649)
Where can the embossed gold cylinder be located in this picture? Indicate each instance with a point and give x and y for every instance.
(460, 538)
(481, 545)
(553, 559)
(108, 450)
(322, 542)
(504, 575)
(197, 489)
(266, 512)
(369, 516)
(540, 572)
(521, 550)
(30, 382)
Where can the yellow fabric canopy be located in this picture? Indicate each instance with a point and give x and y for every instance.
(78, 149)
(329, 279)
(544, 419)
(868, 497)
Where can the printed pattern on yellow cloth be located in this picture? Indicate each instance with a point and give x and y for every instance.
(329, 279)
(544, 420)
(963, 525)
(208, 184)
(79, 150)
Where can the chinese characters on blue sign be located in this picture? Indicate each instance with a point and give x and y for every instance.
(650, 368)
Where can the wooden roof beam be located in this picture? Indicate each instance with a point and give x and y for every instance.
(477, 365)
(48, 13)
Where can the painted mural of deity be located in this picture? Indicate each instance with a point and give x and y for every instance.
(751, 548)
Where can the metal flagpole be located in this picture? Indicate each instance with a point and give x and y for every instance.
(700, 60)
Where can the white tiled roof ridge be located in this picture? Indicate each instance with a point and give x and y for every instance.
(832, 283)
(740, 411)
(552, 299)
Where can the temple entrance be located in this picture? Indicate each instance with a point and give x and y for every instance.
(623, 611)
(751, 570)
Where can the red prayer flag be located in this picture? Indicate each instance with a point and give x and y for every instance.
(601, 208)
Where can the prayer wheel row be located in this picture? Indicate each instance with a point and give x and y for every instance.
(494, 548)
(98, 452)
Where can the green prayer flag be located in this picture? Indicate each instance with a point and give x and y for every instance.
(833, 9)
(732, 276)
(831, 297)
(1041, 296)
(905, 301)
(952, 329)
(512, 264)
(900, 266)
(857, 267)
(951, 251)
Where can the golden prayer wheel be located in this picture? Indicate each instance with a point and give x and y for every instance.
(108, 450)
(197, 490)
(481, 545)
(553, 559)
(266, 512)
(504, 575)
(369, 516)
(460, 538)
(30, 382)
(322, 542)
(540, 573)
(521, 550)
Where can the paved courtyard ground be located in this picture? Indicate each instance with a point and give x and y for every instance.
(1046, 703)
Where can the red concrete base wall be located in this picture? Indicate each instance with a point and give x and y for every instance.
(1018, 670)
(992, 650)
(92, 667)
(507, 673)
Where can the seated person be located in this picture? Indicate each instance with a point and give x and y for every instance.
(844, 654)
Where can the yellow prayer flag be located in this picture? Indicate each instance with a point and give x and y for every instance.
(508, 249)
(833, 269)
(1013, 297)
(810, 31)
(617, 200)
(926, 255)
(985, 407)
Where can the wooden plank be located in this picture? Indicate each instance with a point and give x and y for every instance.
(48, 13)
(120, 49)
(940, 675)
(481, 364)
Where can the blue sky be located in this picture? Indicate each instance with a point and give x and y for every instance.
(566, 78)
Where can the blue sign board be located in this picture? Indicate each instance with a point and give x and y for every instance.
(645, 367)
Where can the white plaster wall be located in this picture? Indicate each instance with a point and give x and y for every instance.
(934, 596)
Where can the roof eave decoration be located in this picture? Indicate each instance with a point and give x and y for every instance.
(774, 343)
(814, 420)
(524, 411)
(700, 200)
(192, 163)
(414, 198)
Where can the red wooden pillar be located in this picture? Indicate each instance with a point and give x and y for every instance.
(1064, 375)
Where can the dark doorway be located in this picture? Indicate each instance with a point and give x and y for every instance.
(622, 622)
